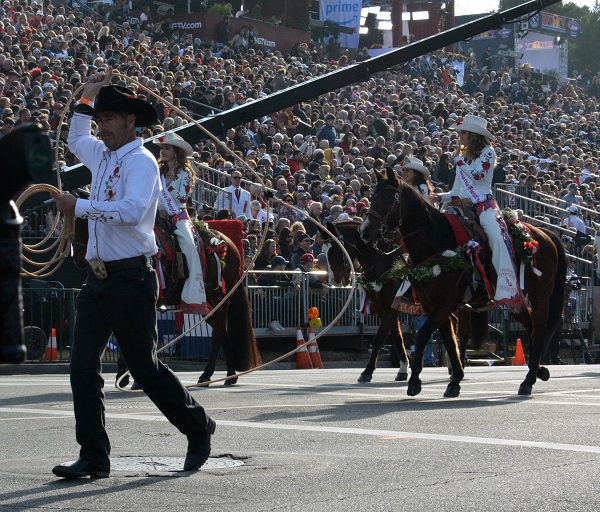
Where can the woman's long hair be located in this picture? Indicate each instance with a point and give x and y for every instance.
(264, 257)
(474, 146)
(182, 164)
(285, 247)
(420, 180)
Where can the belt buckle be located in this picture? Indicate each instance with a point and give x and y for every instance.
(98, 268)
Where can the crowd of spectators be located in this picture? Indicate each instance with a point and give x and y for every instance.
(320, 155)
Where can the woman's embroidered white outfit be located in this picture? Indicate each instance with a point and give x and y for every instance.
(474, 181)
(173, 199)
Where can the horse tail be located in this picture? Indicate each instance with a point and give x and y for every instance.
(241, 333)
(556, 302)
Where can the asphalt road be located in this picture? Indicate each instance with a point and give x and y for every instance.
(318, 441)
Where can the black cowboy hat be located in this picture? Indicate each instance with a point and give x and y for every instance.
(114, 98)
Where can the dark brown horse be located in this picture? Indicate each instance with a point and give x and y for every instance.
(231, 323)
(426, 233)
(375, 266)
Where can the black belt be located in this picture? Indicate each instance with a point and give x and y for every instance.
(118, 265)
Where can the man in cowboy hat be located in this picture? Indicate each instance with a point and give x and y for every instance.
(475, 161)
(119, 295)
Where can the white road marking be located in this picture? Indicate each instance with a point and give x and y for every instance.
(342, 430)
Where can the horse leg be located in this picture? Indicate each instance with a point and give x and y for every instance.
(535, 327)
(396, 335)
(464, 328)
(229, 358)
(448, 333)
(209, 369)
(220, 319)
(386, 327)
(421, 339)
(376, 344)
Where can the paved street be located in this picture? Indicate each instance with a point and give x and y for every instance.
(318, 441)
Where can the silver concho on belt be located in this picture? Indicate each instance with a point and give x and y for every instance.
(98, 268)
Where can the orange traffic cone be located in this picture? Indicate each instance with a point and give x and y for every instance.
(519, 355)
(313, 349)
(51, 349)
(303, 361)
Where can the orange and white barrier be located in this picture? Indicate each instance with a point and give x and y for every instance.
(313, 349)
(51, 349)
(303, 361)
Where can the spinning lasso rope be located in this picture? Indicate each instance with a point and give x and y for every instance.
(65, 239)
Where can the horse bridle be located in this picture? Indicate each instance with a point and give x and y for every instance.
(395, 233)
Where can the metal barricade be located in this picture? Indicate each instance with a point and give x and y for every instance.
(289, 306)
(207, 193)
(47, 306)
(536, 204)
(39, 219)
(195, 345)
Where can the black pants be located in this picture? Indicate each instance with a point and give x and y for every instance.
(124, 303)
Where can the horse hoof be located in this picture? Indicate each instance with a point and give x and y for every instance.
(452, 391)
(525, 390)
(401, 376)
(230, 382)
(543, 373)
(364, 378)
(413, 389)
(203, 379)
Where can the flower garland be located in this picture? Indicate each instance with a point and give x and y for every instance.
(370, 286)
(213, 244)
(524, 244)
(448, 261)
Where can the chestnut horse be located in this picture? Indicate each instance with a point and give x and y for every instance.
(231, 323)
(426, 233)
(375, 265)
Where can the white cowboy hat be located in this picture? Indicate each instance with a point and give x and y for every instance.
(172, 139)
(473, 124)
(415, 164)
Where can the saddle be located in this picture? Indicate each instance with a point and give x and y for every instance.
(169, 262)
(466, 227)
(470, 223)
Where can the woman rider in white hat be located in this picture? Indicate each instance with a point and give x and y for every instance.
(475, 160)
(415, 174)
(177, 177)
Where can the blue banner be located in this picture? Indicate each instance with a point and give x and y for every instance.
(345, 13)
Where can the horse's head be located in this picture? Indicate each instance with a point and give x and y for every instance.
(383, 215)
(339, 266)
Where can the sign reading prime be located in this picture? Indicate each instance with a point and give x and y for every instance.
(345, 13)
(339, 7)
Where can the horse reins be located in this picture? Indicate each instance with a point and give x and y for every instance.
(396, 233)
